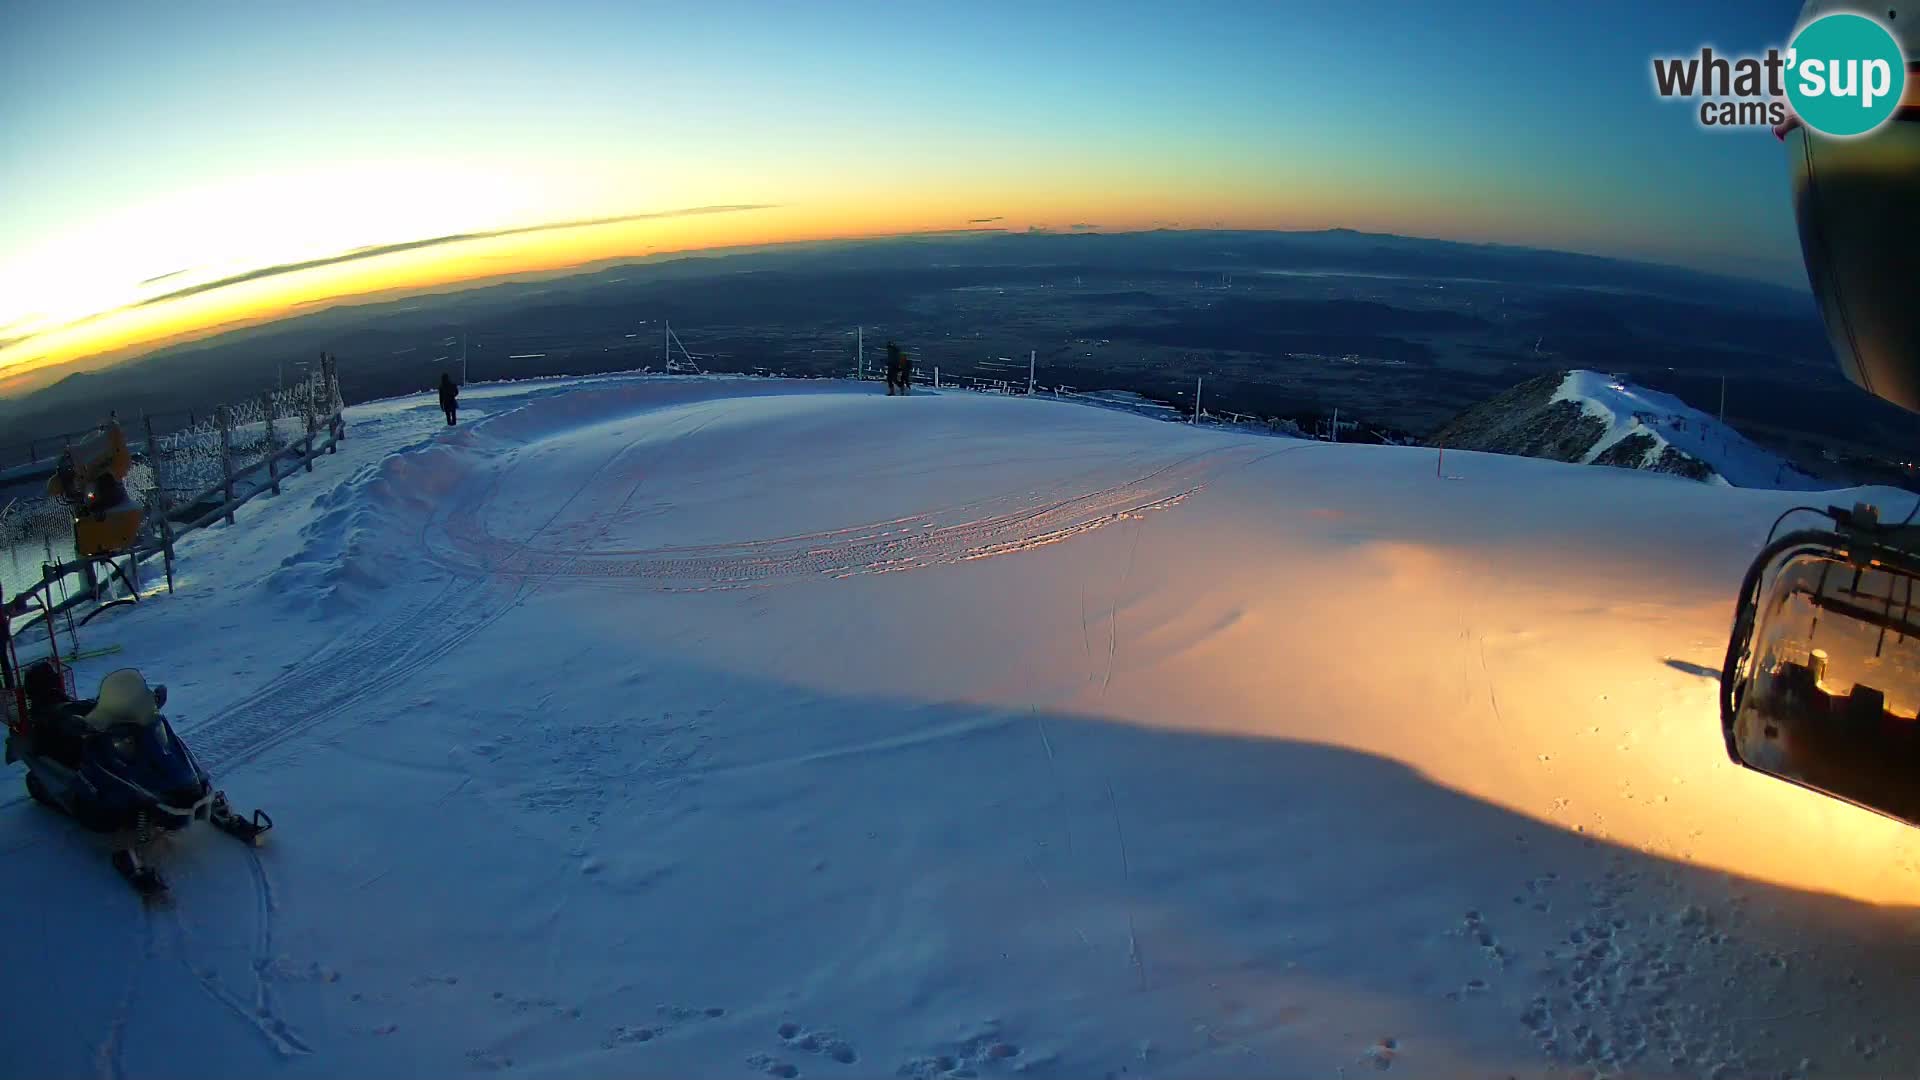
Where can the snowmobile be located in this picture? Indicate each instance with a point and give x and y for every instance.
(1821, 685)
(115, 765)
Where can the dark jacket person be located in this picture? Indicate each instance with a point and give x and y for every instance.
(449, 397)
(896, 369)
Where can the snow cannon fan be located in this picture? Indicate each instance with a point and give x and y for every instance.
(1822, 677)
(91, 482)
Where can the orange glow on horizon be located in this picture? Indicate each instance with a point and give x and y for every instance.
(1052, 202)
(124, 333)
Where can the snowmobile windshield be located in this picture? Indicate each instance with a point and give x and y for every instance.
(125, 699)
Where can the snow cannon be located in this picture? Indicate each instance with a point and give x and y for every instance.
(1821, 683)
(91, 481)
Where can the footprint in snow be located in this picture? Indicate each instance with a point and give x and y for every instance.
(489, 1060)
(825, 1043)
(969, 1058)
(630, 1034)
(773, 1066)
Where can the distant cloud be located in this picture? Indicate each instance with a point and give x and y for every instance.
(356, 254)
(435, 241)
(985, 220)
(1081, 226)
(1038, 229)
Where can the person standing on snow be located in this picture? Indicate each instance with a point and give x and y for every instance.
(897, 369)
(449, 397)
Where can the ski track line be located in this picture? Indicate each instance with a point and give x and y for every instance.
(323, 687)
(401, 644)
(865, 530)
(261, 1015)
(862, 550)
(956, 729)
(109, 1061)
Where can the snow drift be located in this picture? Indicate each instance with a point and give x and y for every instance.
(728, 727)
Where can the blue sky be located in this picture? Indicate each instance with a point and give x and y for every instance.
(147, 138)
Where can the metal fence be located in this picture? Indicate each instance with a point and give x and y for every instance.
(185, 479)
(229, 456)
(43, 453)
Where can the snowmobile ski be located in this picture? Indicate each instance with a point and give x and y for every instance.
(246, 829)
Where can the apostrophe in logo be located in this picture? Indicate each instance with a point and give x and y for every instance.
(1846, 74)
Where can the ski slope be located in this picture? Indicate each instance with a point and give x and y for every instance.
(1628, 410)
(736, 728)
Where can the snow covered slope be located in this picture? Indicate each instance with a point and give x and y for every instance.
(1595, 419)
(706, 727)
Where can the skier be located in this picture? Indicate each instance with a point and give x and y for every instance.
(449, 395)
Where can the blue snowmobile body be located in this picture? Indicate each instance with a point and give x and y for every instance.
(133, 776)
(121, 770)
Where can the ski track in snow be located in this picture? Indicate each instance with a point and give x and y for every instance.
(400, 644)
(404, 641)
(260, 1014)
(1012, 526)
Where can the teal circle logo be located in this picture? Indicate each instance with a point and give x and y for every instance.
(1845, 74)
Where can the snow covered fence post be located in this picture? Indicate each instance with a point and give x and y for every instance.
(273, 445)
(310, 412)
(160, 500)
(335, 401)
(330, 386)
(223, 415)
(335, 406)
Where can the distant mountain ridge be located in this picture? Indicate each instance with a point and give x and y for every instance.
(1595, 419)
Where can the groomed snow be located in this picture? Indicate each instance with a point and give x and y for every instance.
(1630, 410)
(708, 727)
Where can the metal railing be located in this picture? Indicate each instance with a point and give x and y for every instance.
(195, 476)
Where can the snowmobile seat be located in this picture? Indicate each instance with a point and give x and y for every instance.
(60, 731)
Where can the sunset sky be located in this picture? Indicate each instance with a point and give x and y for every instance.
(154, 148)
